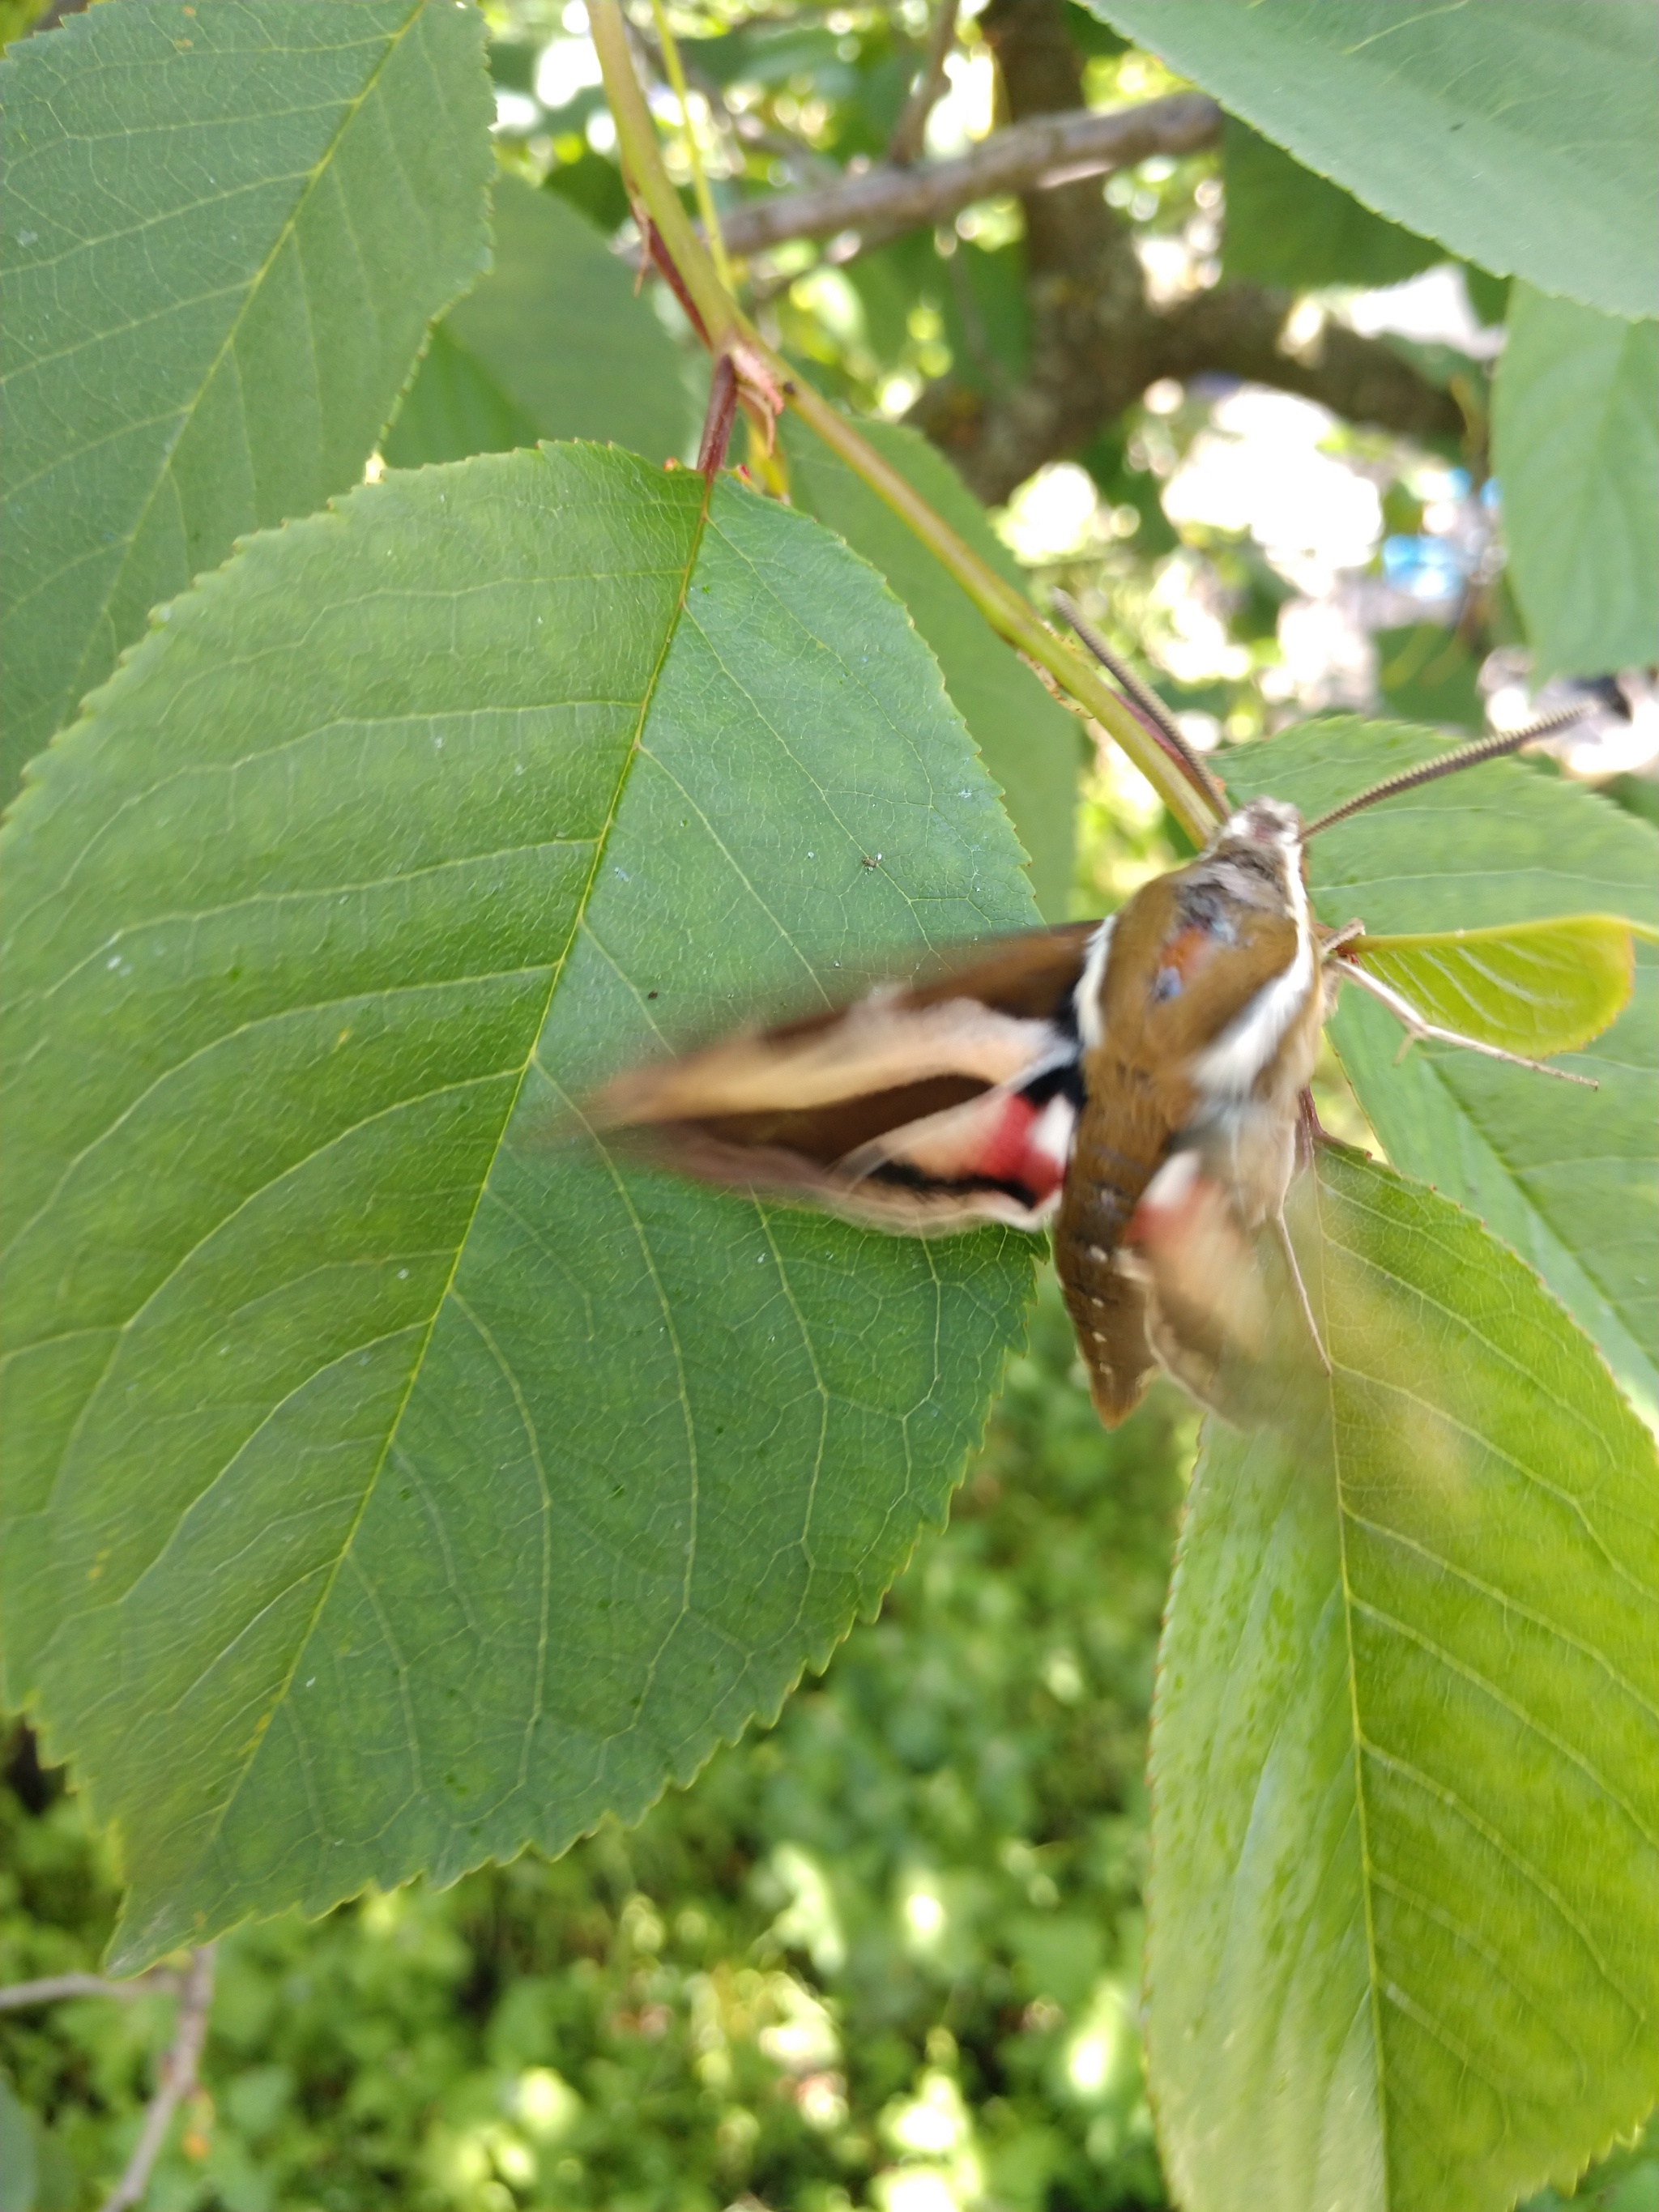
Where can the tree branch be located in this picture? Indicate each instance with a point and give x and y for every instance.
(908, 132)
(176, 2077)
(1096, 342)
(1239, 329)
(1045, 152)
(54, 1988)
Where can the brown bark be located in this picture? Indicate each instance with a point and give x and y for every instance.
(889, 197)
(1097, 342)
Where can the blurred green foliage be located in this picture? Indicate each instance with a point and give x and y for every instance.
(1428, 674)
(885, 1951)
(1288, 225)
(882, 1954)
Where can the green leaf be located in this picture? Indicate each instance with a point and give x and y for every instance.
(1520, 137)
(1575, 445)
(1404, 1941)
(1288, 225)
(395, 1476)
(1427, 674)
(1536, 988)
(1030, 744)
(593, 186)
(1566, 1176)
(553, 343)
(225, 235)
(19, 2165)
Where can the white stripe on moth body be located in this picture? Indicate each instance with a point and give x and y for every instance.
(1086, 999)
(1230, 1066)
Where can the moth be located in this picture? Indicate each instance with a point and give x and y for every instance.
(1139, 1086)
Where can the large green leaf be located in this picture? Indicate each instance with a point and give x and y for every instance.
(1288, 225)
(553, 343)
(1030, 744)
(1520, 137)
(1404, 1946)
(1566, 1176)
(1575, 445)
(394, 1476)
(226, 228)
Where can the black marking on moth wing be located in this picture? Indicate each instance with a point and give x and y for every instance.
(828, 1134)
(810, 1110)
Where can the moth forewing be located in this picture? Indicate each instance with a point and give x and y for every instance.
(918, 1108)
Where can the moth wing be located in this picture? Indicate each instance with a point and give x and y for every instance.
(918, 1109)
(1224, 1314)
(1207, 1304)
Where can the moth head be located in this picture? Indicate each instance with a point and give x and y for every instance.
(1264, 842)
(1267, 821)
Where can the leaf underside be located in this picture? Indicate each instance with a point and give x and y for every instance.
(1404, 1937)
(395, 1476)
(1288, 225)
(1575, 445)
(1521, 138)
(1536, 988)
(553, 342)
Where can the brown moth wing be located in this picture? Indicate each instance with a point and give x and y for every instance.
(916, 1109)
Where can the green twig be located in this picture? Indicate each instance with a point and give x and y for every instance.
(1009, 614)
(705, 198)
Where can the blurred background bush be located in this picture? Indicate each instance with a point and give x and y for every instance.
(884, 1953)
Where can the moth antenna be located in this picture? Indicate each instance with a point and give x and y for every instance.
(1143, 696)
(1462, 757)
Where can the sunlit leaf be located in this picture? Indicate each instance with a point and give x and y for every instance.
(1404, 1944)
(1520, 137)
(1576, 445)
(1536, 988)
(1568, 1177)
(226, 233)
(393, 1476)
(553, 343)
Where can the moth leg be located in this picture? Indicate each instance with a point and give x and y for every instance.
(1417, 1029)
(1282, 1232)
(1332, 941)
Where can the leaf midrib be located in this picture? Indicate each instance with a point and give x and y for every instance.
(76, 684)
(1363, 1747)
(600, 845)
(1356, 1732)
